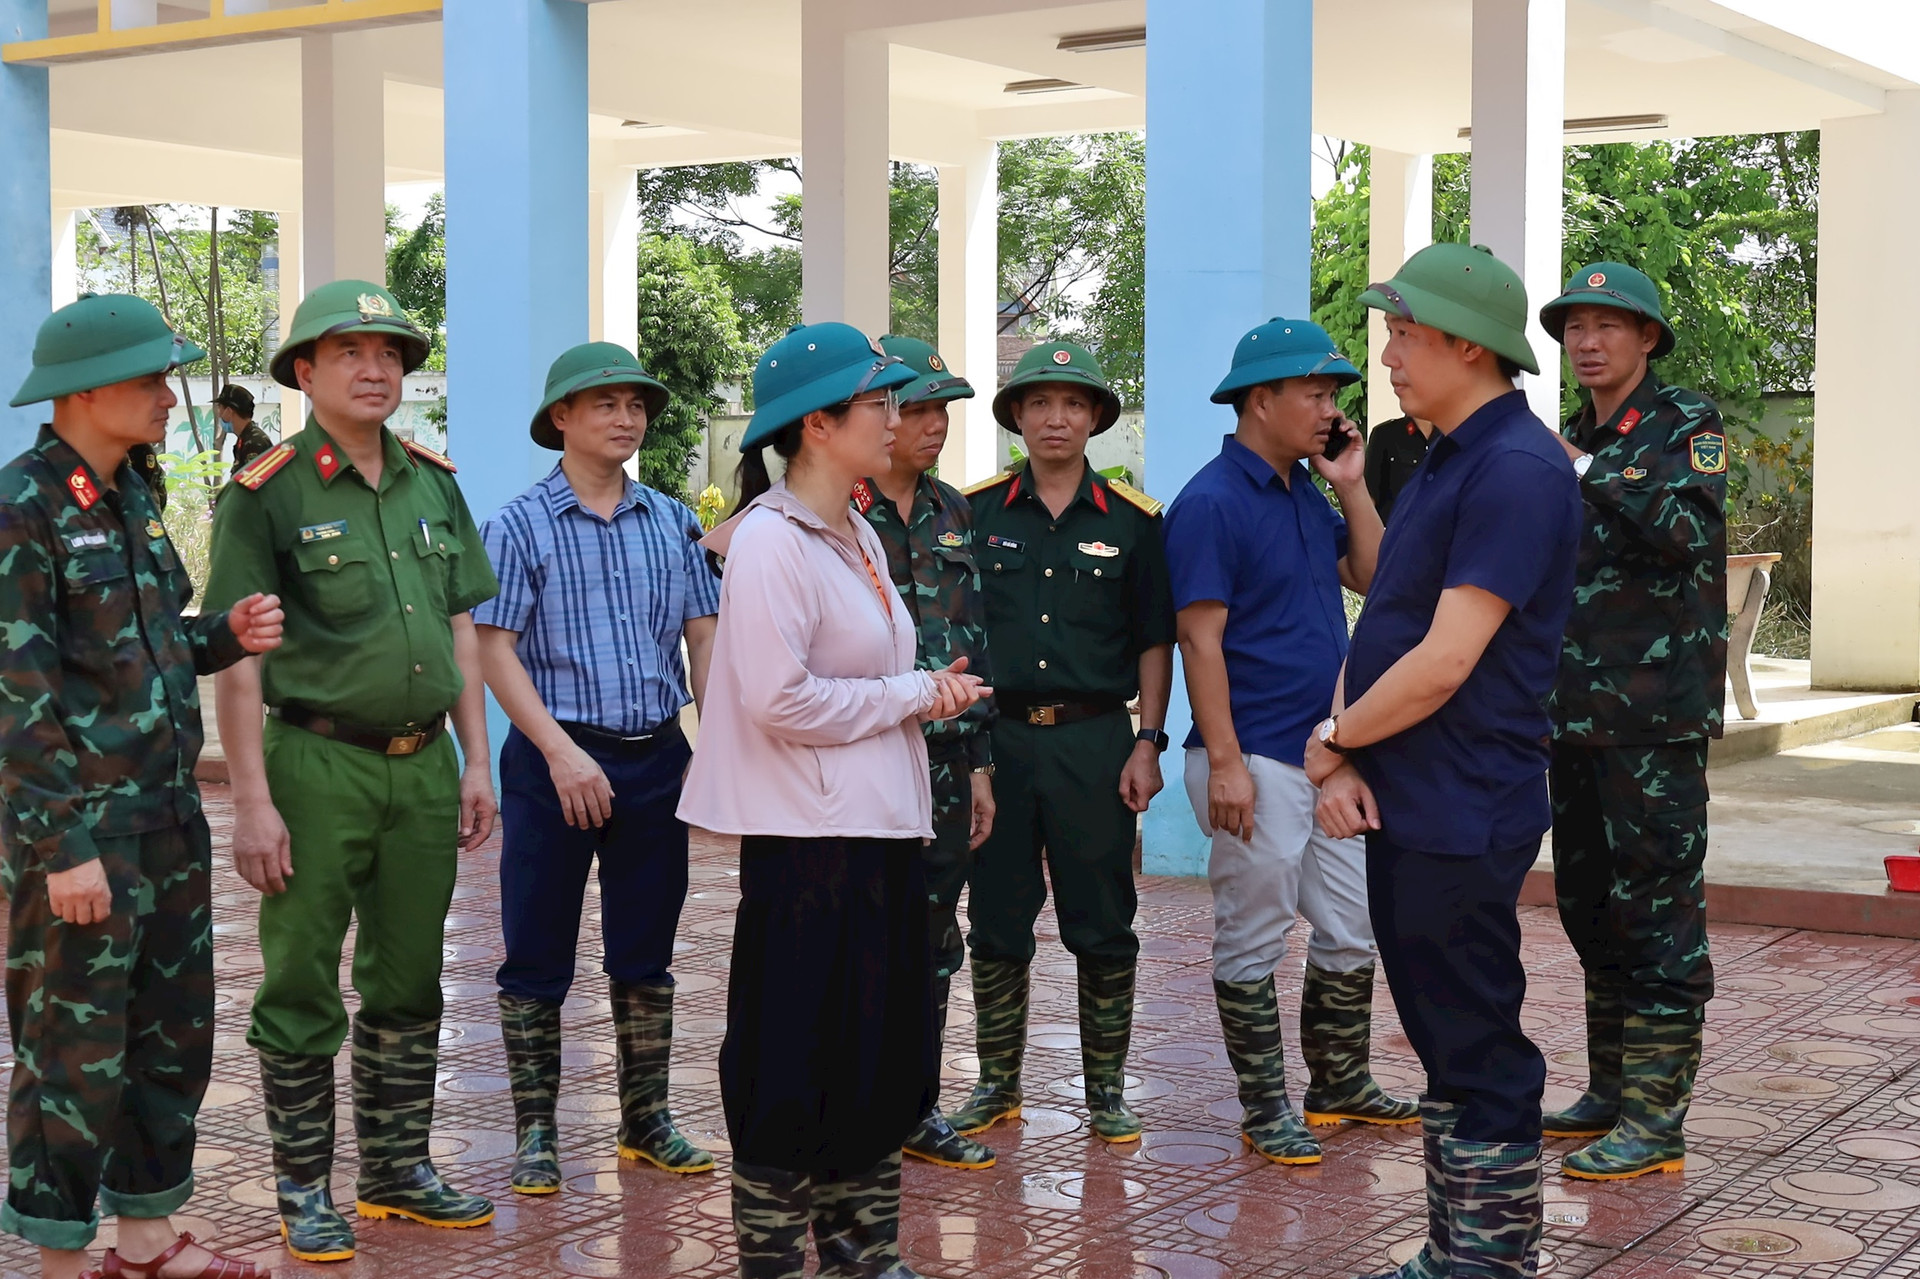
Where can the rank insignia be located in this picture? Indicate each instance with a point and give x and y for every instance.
(862, 497)
(83, 490)
(1101, 549)
(328, 461)
(1709, 452)
(951, 539)
(999, 543)
(1634, 473)
(156, 530)
(1627, 423)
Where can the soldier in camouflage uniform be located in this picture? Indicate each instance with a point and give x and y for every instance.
(234, 407)
(927, 527)
(107, 855)
(1640, 693)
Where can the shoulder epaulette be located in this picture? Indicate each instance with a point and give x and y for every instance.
(426, 454)
(265, 467)
(1134, 497)
(987, 483)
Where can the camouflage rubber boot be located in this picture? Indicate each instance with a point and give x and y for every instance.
(1493, 1208)
(393, 1072)
(299, 1098)
(856, 1225)
(1106, 1028)
(1336, 1030)
(1660, 1055)
(934, 1140)
(530, 1029)
(771, 1213)
(643, 1022)
(1250, 1023)
(1000, 1038)
(1437, 1119)
(1599, 1107)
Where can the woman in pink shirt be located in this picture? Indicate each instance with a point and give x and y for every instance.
(810, 750)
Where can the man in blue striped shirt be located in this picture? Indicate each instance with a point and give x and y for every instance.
(600, 581)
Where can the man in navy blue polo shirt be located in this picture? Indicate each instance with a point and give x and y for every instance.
(1258, 558)
(1440, 754)
(601, 578)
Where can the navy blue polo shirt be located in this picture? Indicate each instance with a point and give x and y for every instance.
(1270, 551)
(1494, 505)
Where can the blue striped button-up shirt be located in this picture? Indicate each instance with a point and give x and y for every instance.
(599, 605)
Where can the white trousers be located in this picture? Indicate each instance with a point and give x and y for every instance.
(1289, 870)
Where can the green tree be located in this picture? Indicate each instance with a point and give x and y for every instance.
(690, 339)
(417, 272)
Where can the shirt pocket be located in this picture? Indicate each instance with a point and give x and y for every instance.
(437, 551)
(336, 576)
(1097, 592)
(958, 561)
(100, 602)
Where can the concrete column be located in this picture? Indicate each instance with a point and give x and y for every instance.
(1400, 224)
(517, 229)
(66, 264)
(1519, 106)
(290, 289)
(844, 153)
(1229, 136)
(969, 308)
(1866, 524)
(613, 290)
(343, 159)
(26, 220)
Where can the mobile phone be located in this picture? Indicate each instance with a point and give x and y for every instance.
(1338, 441)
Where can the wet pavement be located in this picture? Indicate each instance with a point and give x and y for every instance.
(1805, 1128)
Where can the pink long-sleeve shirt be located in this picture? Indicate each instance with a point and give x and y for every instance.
(811, 722)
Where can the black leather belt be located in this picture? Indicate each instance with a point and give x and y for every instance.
(383, 741)
(1042, 710)
(620, 744)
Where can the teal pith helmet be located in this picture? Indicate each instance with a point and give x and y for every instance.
(1463, 290)
(349, 306)
(1052, 362)
(1612, 284)
(1283, 348)
(98, 341)
(587, 365)
(816, 366)
(932, 379)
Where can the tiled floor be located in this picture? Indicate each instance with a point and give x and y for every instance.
(1806, 1127)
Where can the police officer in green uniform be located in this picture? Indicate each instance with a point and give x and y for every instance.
(353, 805)
(1079, 619)
(1640, 693)
(107, 855)
(926, 526)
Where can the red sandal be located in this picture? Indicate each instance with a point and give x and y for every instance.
(114, 1266)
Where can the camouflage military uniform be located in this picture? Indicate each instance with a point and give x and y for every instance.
(145, 461)
(99, 730)
(249, 442)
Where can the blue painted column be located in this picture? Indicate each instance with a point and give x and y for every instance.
(1229, 202)
(517, 229)
(26, 219)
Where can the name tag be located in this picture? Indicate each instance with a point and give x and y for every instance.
(1006, 543)
(86, 540)
(323, 532)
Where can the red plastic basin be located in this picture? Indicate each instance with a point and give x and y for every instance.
(1903, 872)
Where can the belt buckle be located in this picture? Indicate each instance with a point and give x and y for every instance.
(407, 745)
(1041, 715)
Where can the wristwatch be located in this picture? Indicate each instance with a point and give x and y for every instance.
(1581, 465)
(1328, 727)
(1158, 738)
(984, 770)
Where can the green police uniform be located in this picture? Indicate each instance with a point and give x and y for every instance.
(363, 773)
(99, 730)
(1072, 602)
(931, 558)
(1640, 693)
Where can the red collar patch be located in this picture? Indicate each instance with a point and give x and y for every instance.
(1013, 491)
(328, 461)
(83, 490)
(1627, 423)
(863, 498)
(1099, 497)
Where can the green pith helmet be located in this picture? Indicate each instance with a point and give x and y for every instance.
(344, 305)
(816, 366)
(1057, 362)
(593, 364)
(100, 340)
(1609, 284)
(933, 380)
(1463, 290)
(1283, 348)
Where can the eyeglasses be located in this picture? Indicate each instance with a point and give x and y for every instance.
(1392, 295)
(888, 401)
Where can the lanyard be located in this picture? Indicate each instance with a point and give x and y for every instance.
(886, 605)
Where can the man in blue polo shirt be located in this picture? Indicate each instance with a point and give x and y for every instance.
(1440, 754)
(1258, 558)
(600, 580)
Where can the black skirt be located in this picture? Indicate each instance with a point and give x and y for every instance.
(829, 1050)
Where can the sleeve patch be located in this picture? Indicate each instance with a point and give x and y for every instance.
(264, 467)
(1708, 451)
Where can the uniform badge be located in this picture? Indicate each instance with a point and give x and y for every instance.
(1597, 279)
(1627, 423)
(83, 490)
(933, 362)
(1101, 549)
(156, 530)
(327, 461)
(1709, 452)
(1634, 473)
(87, 540)
(951, 539)
(323, 532)
(862, 497)
(1063, 357)
(999, 543)
(374, 307)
